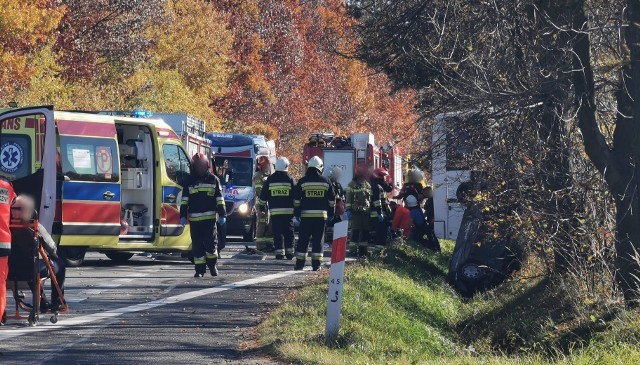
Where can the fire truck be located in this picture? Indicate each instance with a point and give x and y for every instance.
(189, 129)
(348, 152)
(392, 160)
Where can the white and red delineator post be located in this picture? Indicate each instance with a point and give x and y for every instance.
(336, 280)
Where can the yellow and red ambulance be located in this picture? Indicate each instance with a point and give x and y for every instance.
(103, 183)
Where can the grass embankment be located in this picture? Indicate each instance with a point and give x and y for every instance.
(398, 308)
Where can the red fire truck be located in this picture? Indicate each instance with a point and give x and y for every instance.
(347, 152)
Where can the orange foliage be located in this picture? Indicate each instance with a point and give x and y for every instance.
(290, 75)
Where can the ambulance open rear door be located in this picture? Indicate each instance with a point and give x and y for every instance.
(28, 156)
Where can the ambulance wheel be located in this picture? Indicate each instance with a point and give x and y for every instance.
(119, 257)
(73, 256)
(251, 235)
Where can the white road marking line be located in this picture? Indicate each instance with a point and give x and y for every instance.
(8, 333)
(74, 299)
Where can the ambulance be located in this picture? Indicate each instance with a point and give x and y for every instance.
(234, 158)
(103, 183)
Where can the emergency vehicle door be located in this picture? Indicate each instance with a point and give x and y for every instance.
(177, 166)
(28, 156)
(89, 180)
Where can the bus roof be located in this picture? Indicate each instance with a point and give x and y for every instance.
(218, 139)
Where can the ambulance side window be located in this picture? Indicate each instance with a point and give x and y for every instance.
(89, 159)
(176, 163)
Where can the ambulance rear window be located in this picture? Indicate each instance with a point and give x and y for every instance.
(89, 159)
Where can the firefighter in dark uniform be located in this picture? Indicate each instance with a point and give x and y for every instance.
(314, 203)
(203, 203)
(276, 196)
(429, 210)
(334, 178)
(358, 207)
(264, 241)
(380, 211)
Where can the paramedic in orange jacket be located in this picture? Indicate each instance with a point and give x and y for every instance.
(7, 197)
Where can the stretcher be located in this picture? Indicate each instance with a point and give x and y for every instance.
(24, 267)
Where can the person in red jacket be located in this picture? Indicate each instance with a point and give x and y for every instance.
(7, 197)
(402, 220)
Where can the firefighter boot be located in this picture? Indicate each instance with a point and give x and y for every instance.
(201, 268)
(299, 264)
(213, 268)
(315, 264)
(289, 253)
(279, 257)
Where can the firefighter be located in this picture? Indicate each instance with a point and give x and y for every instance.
(380, 211)
(201, 197)
(429, 210)
(413, 186)
(277, 195)
(334, 178)
(314, 203)
(357, 205)
(221, 174)
(263, 240)
(7, 197)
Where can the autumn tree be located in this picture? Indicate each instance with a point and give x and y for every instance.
(25, 28)
(105, 33)
(289, 73)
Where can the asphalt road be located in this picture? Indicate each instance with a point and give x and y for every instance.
(152, 311)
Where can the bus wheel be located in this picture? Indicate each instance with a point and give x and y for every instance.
(119, 257)
(72, 255)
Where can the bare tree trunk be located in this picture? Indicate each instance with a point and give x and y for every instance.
(556, 175)
(618, 165)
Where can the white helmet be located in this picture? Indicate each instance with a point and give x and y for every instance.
(316, 162)
(412, 201)
(336, 173)
(282, 164)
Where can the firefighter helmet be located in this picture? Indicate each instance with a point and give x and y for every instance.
(316, 162)
(199, 158)
(380, 173)
(262, 160)
(282, 164)
(361, 170)
(412, 201)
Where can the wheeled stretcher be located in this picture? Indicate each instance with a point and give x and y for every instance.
(25, 267)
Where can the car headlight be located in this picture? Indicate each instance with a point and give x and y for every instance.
(243, 208)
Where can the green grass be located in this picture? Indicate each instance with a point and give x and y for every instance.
(398, 309)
